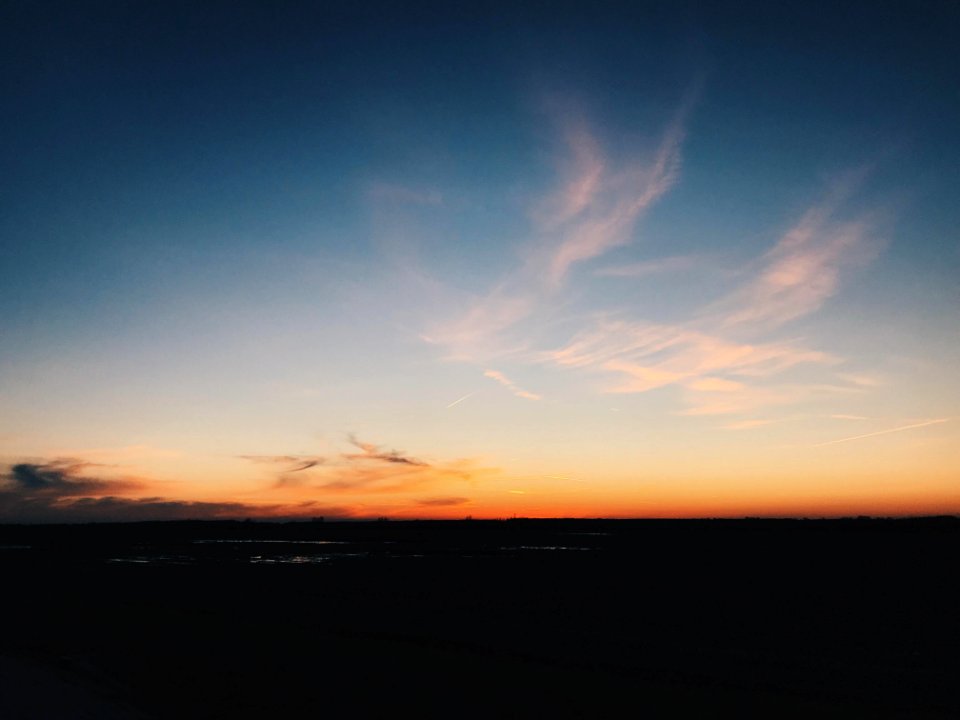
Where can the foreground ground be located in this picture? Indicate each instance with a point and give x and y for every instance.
(520, 618)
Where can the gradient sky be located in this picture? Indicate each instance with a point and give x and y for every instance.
(656, 260)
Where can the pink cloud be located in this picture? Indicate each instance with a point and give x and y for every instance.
(802, 270)
(586, 167)
(510, 385)
(595, 210)
(601, 214)
(641, 379)
(677, 351)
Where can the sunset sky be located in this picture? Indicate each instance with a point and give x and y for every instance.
(416, 261)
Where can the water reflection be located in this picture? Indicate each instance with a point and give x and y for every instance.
(297, 552)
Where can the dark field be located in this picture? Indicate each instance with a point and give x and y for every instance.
(520, 618)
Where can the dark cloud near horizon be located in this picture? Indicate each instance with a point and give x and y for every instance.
(63, 478)
(63, 489)
(56, 491)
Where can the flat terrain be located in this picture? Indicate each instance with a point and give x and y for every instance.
(520, 618)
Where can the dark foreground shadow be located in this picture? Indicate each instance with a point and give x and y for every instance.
(513, 619)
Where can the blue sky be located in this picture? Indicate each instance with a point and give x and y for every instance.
(646, 245)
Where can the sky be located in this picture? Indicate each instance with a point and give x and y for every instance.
(414, 260)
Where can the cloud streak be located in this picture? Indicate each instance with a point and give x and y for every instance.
(443, 502)
(802, 270)
(714, 372)
(510, 385)
(373, 452)
(291, 463)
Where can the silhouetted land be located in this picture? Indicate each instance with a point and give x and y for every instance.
(521, 618)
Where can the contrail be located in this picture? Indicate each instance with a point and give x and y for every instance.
(457, 402)
(883, 432)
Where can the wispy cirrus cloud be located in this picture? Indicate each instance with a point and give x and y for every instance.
(484, 331)
(801, 273)
(676, 350)
(374, 452)
(803, 269)
(728, 355)
(716, 376)
(585, 167)
(288, 463)
(715, 384)
(595, 210)
(598, 208)
(751, 398)
(706, 355)
(510, 385)
(713, 371)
